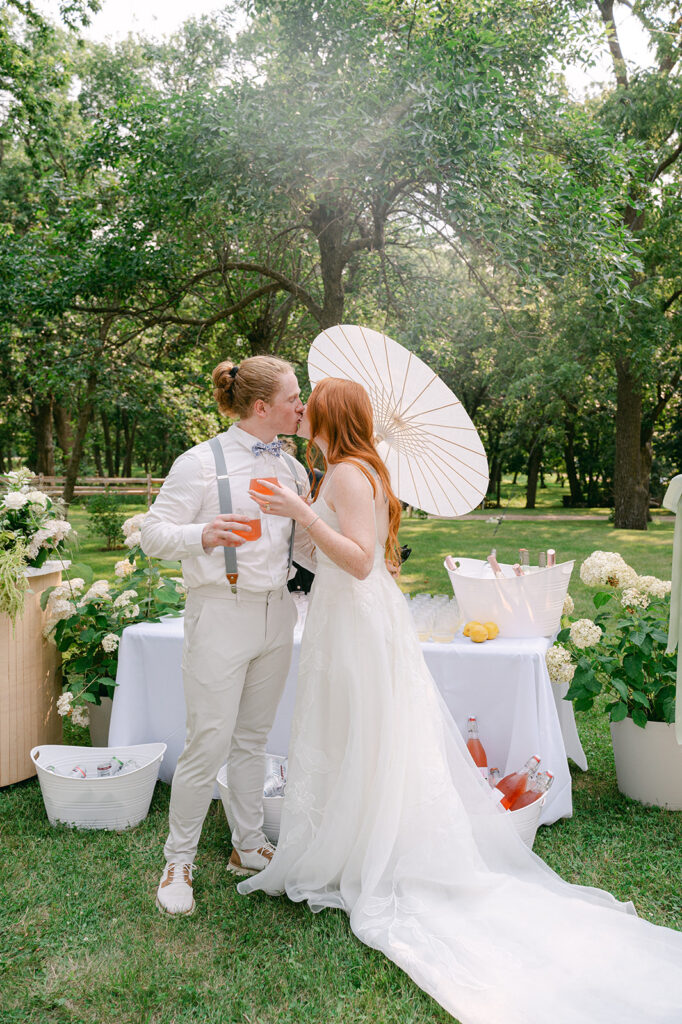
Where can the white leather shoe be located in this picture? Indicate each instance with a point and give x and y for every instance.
(175, 895)
(250, 862)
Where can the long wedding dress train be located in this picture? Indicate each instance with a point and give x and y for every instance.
(385, 818)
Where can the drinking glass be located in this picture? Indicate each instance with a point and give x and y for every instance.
(447, 621)
(251, 529)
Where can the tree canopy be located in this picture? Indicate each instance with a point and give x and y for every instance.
(419, 167)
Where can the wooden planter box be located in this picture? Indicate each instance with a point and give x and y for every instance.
(29, 682)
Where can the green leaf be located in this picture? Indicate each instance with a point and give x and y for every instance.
(632, 663)
(639, 718)
(640, 698)
(620, 687)
(44, 597)
(601, 598)
(619, 712)
(563, 635)
(583, 703)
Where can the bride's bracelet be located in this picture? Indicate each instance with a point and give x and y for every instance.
(311, 523)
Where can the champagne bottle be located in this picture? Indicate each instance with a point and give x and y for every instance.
(495, 565)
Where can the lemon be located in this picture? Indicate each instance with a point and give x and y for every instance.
(478, 633)
(492, 628)
(467, 629)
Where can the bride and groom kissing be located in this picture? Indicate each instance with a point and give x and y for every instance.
(385, 816)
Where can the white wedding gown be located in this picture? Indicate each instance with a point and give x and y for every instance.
(386, 818)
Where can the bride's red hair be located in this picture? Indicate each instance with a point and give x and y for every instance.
(340, 411)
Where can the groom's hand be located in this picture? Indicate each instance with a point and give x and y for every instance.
(219, 533)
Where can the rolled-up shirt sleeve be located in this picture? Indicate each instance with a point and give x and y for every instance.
(169, 529)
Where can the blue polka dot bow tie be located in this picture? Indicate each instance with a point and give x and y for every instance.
(274, 448)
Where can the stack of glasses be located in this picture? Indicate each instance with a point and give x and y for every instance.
(436, 617)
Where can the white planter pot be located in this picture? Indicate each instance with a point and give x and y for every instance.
(100, 717)
(648, 763)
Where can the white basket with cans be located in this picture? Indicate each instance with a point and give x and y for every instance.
(272, 805)
(75, 793)
(521, 606)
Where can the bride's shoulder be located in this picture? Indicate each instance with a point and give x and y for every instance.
(353, 474)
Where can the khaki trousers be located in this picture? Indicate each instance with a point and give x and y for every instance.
(236, 656)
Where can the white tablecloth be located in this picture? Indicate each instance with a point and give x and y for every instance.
(503, 682)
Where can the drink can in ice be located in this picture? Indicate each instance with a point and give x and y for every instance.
(78, 772)
(104, 769)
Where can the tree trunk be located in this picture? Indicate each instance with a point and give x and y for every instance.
(84, 416)
(41, 417)
(633, 461)
(577, 498)
(117, 445)
(62, 423)
(130, 444)
(494, 482)
(534, 461)
(328, 224)
(97, 452)
(108, 452)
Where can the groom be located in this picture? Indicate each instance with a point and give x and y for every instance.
(238, 639)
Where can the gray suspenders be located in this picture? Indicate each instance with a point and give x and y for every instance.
(225, 502)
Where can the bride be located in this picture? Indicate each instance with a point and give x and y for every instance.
(385, 815)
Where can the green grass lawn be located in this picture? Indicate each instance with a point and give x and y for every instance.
(82, 943)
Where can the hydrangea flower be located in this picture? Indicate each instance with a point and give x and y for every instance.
(14, 500)
(64, 703)
(80, 716)
(585, 633)
(607, 568)
(569, 606)
(110, 642)
(652, 585)
(124, 568)
(125, 598)
(559, 665)
(634, 598)
(37, 498)
(133, 524)
(133, 539)
(98, 590)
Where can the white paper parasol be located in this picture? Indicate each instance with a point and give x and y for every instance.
(430, 446)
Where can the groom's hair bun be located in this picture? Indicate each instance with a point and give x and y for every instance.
(236, 386)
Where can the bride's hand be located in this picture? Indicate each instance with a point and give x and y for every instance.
(281, 501)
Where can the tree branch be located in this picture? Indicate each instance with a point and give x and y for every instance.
(664, 164)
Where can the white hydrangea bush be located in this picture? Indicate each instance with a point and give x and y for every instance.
(86, 620)
(621, 653)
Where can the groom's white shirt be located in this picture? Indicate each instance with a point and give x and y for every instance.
(188, 501)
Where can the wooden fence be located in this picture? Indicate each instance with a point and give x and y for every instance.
(147, 485)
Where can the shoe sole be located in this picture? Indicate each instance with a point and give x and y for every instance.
(179, 913)
(243, 871)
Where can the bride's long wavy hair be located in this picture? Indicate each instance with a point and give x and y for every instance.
(340, 411)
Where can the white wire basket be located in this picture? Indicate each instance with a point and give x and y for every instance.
(527, 819)
(272, 805)
(113, 802)
(521, 606)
